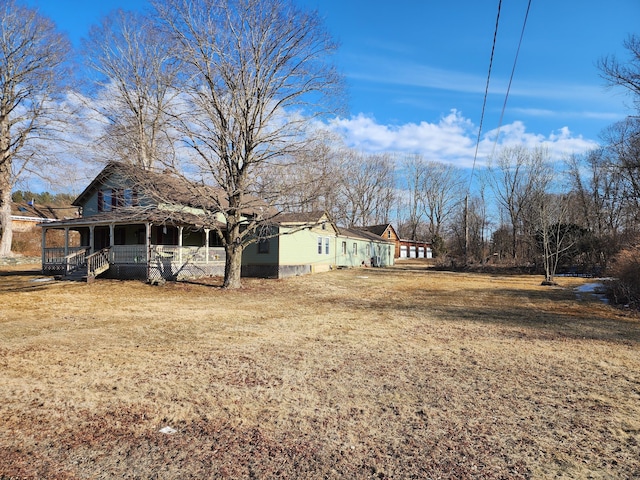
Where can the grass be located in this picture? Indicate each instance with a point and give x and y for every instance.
(365, 373)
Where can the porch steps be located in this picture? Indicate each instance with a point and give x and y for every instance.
(78, 275)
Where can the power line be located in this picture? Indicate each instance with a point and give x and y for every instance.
(486, 94)
(513, 69)
(484, 104)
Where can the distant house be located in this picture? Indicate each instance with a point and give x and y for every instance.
(403, 248)
(301, 243)
(26, 216)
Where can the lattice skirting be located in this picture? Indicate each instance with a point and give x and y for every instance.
(166, 271)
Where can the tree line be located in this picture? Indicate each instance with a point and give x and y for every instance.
(232, 94)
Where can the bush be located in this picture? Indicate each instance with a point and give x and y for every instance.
(625, 289)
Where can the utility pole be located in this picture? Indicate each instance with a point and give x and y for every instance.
(466, 229)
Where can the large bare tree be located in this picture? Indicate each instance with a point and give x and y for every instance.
(255, 72)
(33, 57)
(133, 88)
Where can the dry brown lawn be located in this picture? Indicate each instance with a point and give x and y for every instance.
(397, 373)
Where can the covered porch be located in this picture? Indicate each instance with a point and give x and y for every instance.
(133, 250)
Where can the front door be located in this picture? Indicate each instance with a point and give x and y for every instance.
(100, 238)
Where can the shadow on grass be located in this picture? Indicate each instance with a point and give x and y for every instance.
(12, 281)
(541, 314)
(18, 273)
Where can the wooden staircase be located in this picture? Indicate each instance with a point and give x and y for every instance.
(88, 268)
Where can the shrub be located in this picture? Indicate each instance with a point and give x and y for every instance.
(625, 289)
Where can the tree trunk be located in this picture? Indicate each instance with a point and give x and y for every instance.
(6, 228)
(233, 266)
(6, 234)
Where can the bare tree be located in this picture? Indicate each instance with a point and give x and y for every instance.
(598, 185)
(554, 232)
(415, 171)
(623, 138)
(442, 192)
(304, 181)
(515, 179)
(255, 72)
(135, 86)
(624, 74)
(367, 184)
(622, 146)
(32, 73)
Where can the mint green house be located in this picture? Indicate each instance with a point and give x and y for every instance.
(293, 244)
(360, 248)
(302, 243)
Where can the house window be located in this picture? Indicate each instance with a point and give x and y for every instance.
(326, 245)
(319, 245)
(129, 198)
(368, 250)
(105, 200)
(263, 245)
(344, 248)
(355, 248)
(389, 234)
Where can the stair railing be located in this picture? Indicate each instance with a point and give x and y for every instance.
(97, 263)
(74, 261)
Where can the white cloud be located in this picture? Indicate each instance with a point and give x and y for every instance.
(452, 139)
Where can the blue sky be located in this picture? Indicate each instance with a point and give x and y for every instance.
(416, 69)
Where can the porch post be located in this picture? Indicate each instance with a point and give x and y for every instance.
(91, 239)
(66, 241)
(147, 241)
(112, 235)
(206, 245)
(180, 229)
(44, 246)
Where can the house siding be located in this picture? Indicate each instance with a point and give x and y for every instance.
(293, 252)
(368, 253)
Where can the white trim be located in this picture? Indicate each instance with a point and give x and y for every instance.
(32, 219)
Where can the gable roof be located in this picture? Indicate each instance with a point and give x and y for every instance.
(364, 235)
(167, 187)
(377, 229)
(310, 218)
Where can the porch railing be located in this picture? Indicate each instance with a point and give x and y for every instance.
(133, 254)
(53, 255)
(164, 253)
(128, 254)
